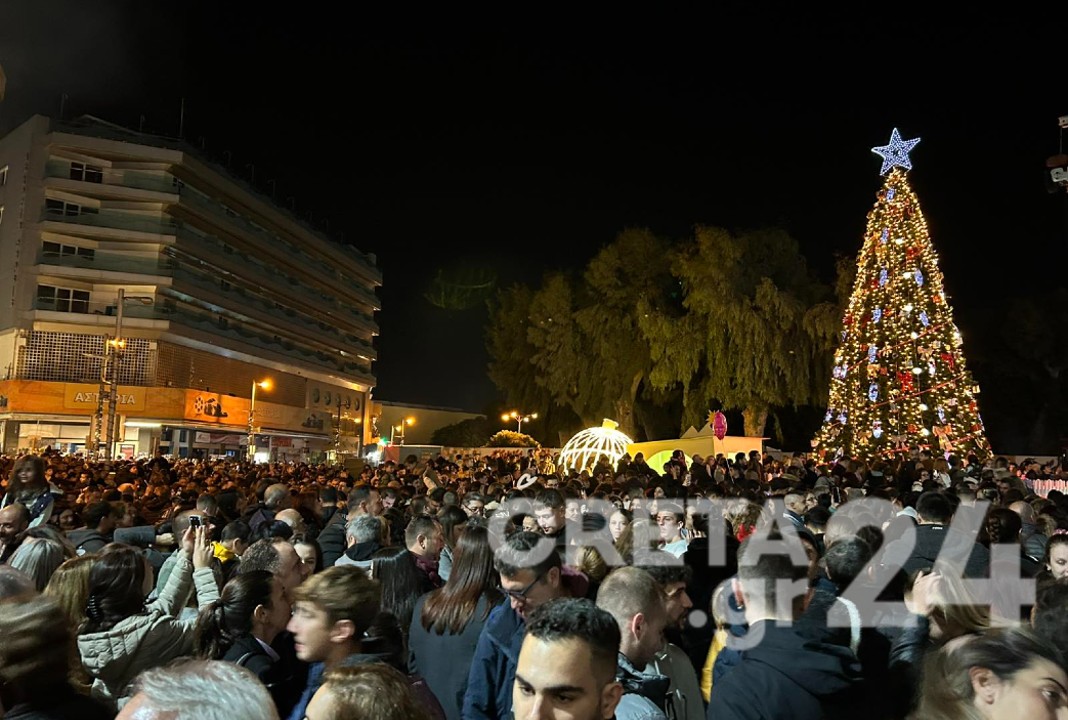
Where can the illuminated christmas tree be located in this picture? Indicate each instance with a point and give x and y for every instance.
(899, 376)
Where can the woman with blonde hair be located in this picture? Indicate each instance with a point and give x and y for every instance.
(69, 587)
(374, 690)
(998, 674)
(589, 562)
(38, 558)
(946, 612)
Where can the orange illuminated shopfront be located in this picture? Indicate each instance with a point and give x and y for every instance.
(29, 400)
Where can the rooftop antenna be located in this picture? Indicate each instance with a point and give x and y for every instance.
(141, 126)
(181, 120)
(203, 143)
(63, 106)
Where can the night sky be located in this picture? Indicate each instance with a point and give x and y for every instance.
(525, 147)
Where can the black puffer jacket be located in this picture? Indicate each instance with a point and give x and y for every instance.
(788, 676)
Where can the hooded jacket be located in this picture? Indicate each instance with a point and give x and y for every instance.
(149, 639)
(645, 695)
(787, 676)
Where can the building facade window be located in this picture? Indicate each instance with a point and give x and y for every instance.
(54, 249)
(54, 206)
(61, 299)
(86, 173)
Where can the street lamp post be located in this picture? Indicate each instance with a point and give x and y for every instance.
(406, 422)
(114, 349)
(251, 450)
(520, 418)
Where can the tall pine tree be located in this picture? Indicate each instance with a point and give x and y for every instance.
(899, 375)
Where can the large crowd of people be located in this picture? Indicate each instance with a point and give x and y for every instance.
(477, 587)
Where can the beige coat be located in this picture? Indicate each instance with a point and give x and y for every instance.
(113, 658)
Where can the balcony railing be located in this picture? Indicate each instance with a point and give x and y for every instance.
(271, 240)
(96, 129)
(266, 307)
(81, 307)
(123, 178)
(269, 278)
(115, 219)
(204, 324)
(112, 262)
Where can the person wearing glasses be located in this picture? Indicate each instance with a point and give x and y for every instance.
(531, 575)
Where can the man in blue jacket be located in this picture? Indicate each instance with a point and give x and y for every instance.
(531, 575)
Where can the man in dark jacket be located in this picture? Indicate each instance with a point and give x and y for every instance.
(531, 575)
(934, 537)
(99, 524)
(783, 675)
(363, 500)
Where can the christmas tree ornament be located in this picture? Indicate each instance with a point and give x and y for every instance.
(895, 153)
(584, 449)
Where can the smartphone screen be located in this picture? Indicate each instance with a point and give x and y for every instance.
(194, 521)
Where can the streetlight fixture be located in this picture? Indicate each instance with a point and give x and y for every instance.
(114, 349)
(408, 421)
(251, 450)
(520, 418)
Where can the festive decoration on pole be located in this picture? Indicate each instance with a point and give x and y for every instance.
(899, 376)
(584, 449)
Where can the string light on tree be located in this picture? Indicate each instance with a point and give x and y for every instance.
(900, 376)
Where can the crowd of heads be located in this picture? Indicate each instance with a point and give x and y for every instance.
(602, 565)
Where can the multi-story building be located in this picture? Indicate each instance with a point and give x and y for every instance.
(220, 289)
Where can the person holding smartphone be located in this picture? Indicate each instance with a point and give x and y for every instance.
(123, 634)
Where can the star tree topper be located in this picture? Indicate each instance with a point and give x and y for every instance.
(896, 153)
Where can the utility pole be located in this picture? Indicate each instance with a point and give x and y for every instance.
(115, 347)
